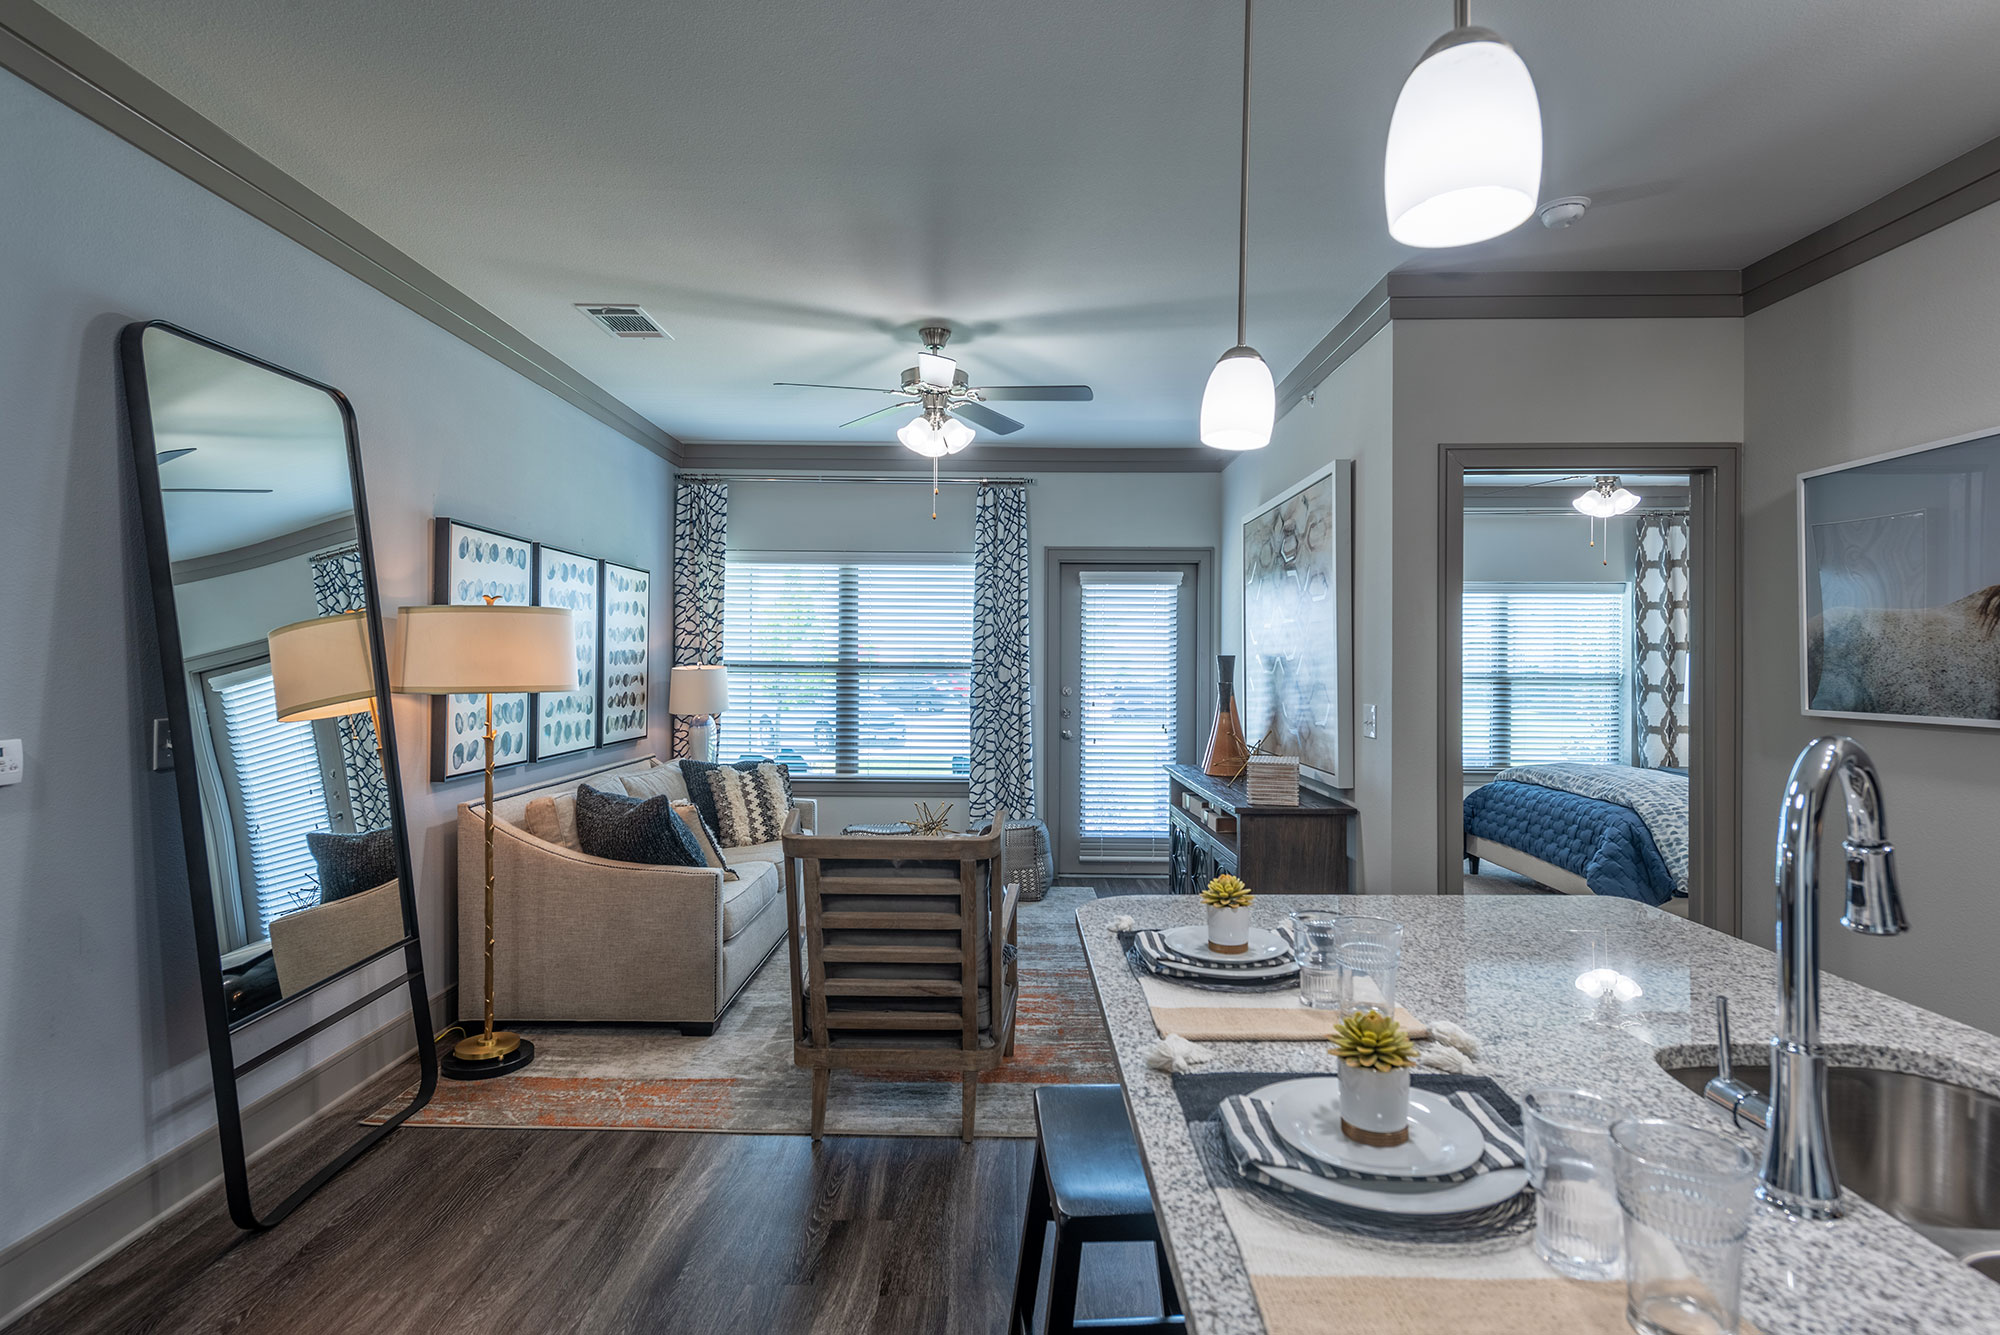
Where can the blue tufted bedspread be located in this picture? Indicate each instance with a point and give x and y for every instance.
(1604, 843)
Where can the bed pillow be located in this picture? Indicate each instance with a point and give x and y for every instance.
(351, 863)
(631, 829)
(704, 791)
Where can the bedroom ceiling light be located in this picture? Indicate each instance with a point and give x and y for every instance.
(921, 436)
(1605, 499)
(1464, 161)
(1240, 403)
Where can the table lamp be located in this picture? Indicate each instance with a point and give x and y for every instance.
(699, 694)
(487, 650)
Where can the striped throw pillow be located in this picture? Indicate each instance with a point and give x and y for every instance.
(750, 804)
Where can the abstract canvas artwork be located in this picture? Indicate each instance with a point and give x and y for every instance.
(470, 565)
(566, 721)
(627, 597)
(1296, 614)
(1899, 586)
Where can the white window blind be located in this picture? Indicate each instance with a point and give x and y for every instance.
(850, 670)
(280, 792)
(1129, 713)
(1544, 674)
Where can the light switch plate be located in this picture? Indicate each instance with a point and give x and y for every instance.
(11, 761)
(163, 746)
(1367, 720)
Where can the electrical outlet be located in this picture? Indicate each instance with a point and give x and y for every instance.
(1367, 720)
(10, 761)
(163, 745)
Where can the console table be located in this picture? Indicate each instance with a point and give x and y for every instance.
(1276, 850)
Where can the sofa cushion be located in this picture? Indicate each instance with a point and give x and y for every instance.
(700, 778)
(771, 852)
(351, 863)
(661, 780)
(704, 837)
(629, 829)
(754, 890)
(553, 819)
(750, 805)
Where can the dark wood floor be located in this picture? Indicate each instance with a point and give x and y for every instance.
(1110, 887)
(531, 1232)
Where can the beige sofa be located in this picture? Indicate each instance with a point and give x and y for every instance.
(585, 938)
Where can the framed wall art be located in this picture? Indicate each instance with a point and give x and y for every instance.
(1297, 625)
(470, 564)
(1899, 586)
(566, 721)
(627, 595)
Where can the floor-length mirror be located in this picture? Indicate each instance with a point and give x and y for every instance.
(283, 749)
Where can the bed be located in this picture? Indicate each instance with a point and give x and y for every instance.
(1586, 830)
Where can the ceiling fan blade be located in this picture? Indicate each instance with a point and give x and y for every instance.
(802, 384)
(879, 412)
(1039, 393)
(168, 456)
(982, 416)
(246, 491)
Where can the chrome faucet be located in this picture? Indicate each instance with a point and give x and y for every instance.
(1798, 1176)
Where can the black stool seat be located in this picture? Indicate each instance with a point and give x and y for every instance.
(1089, 1183)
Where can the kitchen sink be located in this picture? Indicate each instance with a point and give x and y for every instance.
(1925, 1150)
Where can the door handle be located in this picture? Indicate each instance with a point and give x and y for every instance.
(1067, 735)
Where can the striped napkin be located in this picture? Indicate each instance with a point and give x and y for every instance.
(1255, 1143)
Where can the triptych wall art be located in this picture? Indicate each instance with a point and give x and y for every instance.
(612, 605)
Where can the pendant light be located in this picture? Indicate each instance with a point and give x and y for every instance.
(1241, 401)
(1464, 161)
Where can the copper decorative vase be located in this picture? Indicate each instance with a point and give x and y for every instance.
(1227, 754)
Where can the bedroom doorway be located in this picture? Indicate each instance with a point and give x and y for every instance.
(1588, 662)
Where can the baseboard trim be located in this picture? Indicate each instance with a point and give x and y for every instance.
(66, 1248)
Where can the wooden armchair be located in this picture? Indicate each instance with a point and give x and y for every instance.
(902, 955)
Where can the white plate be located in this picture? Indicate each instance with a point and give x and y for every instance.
(1404, 1198)
(1442, 1139)
(1191, 943)
(1270, 972)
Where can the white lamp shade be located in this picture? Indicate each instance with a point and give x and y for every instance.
(698, 690)
(1464, 161)
(321, 668)
(487, 649)
(920, 436)
(1240, 403)
(955, 434)
(936, 369)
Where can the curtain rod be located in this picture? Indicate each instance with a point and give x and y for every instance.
(891, 479)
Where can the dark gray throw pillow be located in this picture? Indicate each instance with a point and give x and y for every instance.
(695, 773)
(634, 829)
(351, 863)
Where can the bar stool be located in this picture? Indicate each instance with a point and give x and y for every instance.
(1090, 1184)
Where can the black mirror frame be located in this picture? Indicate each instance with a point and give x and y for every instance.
(225, 1068)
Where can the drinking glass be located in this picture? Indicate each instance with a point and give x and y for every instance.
(1579, 1230)
(1312, 947)
(1686, 1195)
(1366, 952)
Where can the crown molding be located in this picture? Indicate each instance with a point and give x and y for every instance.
(1684, 294)
(982, 460)
(83, 76)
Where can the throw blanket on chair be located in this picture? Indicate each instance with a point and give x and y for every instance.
(1658, 797)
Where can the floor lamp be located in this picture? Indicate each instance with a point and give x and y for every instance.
(487, 650)
(321, 669)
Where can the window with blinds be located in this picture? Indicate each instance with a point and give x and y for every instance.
(857, 669)
(1544, 674)
(1130, 711)
(280, 795)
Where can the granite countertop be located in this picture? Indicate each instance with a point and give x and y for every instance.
(1505, 967)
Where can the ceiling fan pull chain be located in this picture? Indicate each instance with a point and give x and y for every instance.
(934, 488)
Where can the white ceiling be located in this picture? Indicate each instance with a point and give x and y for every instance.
(791, 186)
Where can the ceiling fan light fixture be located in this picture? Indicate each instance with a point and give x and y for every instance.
(1240, 403)
(934, 368)
(1464, 159)
(955, 434)
(1606, 499)
(919, 435)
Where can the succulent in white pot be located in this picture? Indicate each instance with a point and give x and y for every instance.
(1228, 901)
(1375, 1058)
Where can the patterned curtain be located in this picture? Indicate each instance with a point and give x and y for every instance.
(338, 587)
(1660, 658)
(1003, 748)
(701, 523)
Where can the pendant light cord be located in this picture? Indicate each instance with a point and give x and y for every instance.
(1243, 197)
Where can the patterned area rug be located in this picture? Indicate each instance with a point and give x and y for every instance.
(742, 1079)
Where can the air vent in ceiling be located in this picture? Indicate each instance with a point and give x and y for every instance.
(624, 321)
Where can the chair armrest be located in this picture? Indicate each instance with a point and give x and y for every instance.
(808, 809)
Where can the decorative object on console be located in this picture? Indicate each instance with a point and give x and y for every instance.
(1239, 405)
(697, 696)
(1297, 624)
(1272, 781)
(566, 721)
(489, 649)
(473, 566)
(701, 524)
(1002, 762)
(1228, 902)
(1375, 1058)
(931, 822)
(627, 594)
(1899, 586)
(1226, 749)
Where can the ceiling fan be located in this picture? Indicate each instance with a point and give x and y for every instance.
(946, 400)
(168, 456)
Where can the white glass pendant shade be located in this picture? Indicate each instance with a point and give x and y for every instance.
(919, 435)
(1240, 403)
(1601, 504)
(935, 369)
(1464, 161)
(955, 434)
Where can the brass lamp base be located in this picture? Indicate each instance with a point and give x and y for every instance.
(485, 1047)
(481, 1057)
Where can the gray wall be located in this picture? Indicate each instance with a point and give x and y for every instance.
(1895, 353)
(103, 1048)
(1547, 549)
